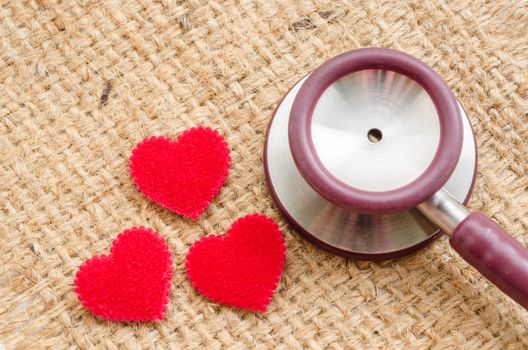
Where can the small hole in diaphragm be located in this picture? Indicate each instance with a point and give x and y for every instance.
(374, 135)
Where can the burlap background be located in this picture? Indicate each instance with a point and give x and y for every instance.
(81, 83)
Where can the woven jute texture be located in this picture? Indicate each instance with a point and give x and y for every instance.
(82, 82)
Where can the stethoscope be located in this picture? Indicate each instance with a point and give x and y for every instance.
(370, 156)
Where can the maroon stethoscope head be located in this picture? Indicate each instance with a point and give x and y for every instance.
(371, 155)
(408, 195)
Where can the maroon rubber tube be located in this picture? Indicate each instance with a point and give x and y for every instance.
(496, 255)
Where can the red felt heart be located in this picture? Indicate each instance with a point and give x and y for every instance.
(130, 284)
(182, 175)
(242, 268)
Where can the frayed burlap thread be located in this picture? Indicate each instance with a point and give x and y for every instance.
(81, 82)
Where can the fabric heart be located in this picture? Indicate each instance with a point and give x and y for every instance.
(242, 268)
(182, 175)
(130, 284)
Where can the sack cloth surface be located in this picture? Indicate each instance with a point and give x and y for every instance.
(81, 82)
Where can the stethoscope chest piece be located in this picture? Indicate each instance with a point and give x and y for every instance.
(371, 156)
(375, 130)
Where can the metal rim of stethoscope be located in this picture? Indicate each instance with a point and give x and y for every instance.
(336, 191)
